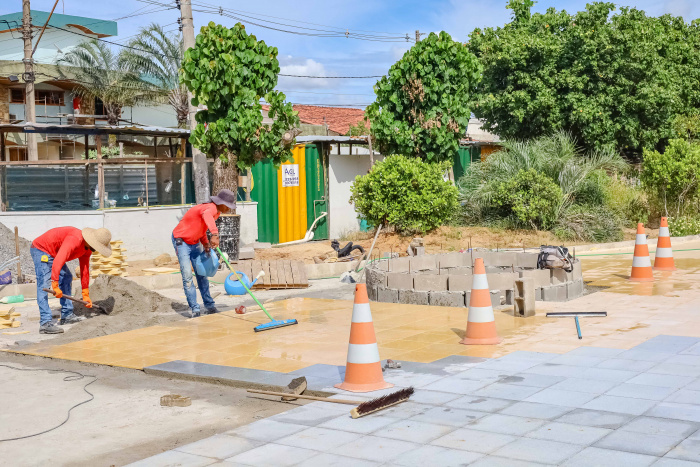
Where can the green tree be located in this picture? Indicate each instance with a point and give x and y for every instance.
(229, 72)
(422, 105)
(612, 81)
(101, 74)
(155, 59)
(359, 129)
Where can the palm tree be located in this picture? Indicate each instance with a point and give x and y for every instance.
(156, 57)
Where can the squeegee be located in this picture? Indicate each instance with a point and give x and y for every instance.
(274, 323)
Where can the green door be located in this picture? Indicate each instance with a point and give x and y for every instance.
(316, 201)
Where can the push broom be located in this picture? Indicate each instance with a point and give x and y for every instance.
(273, 322)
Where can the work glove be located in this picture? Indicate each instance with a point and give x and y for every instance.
(86, 298)
(56, 290)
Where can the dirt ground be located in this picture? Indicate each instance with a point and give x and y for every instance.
(124, 423)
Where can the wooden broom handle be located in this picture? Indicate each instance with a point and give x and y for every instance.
(299, 396)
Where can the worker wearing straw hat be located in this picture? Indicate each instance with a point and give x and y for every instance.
(50, 252)
(190, 240)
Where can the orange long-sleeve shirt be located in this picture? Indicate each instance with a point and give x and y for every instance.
(65, 244)
(194, 224)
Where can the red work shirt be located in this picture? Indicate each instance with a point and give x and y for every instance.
(194, 224)
(65, 244)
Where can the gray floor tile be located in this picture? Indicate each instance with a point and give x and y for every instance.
(620, 404)
(513, 366)
(507, 391)
(686, 412)
(220, 446)
(456, 385)
(529, 379)
(550, 369)
(605, 457)
(688, 450)
(694, 385)
(528, 355)
(321, 370)
(601, 352)
(266, 430)
(624, 364)
(325, 460)
(595, 418)
(495, 461)
(174, 458)
(646, 355)
(591, 386)
(605, 374)
(273, 454)
(668, 462)
(320, 439)
(670, 344)
(577, 360)
(483, 374)
(474, 440)
(376, 449)
(681, 359)
(641, 443)
(416, 380)
(563, 398)
(677, 369)
(406, 410)
(482, 404)
(361, 425)
(426, 456)
(566, 433)
(414, 431)
(694, 350)
(309, 416)
(538, 450)
(641, 391)
(661, 426)
(424, 396)
(535, 410)
(684, 396)
(449, 416)
(460, 360)
(507, 424)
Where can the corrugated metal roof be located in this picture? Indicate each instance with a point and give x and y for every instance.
(99, 27)
(95, 130)
(332, 139)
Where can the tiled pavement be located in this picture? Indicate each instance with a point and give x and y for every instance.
(590, 406)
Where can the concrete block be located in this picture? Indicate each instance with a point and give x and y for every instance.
(453, 260)
(526, 260)
(410, 297)
(423, 263)
(459, 282)
(540, 276)
(419, 250)
(430, 283)
(505, 258)
(446, 298)
(510, 297)
(467, 297)
(376, 277)
(554, 293)
(495, 298)
(574, 289)
(399, 264)
(460, 270)
(387, 295)
(487, 256)
(502, 281)
(428, 272)
(559, 276)
(246, 253)
(578, 271)
(524, 304)
(372, 292)
(399, 281)
(538, 294)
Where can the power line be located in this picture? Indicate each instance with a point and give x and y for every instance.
(331, 77)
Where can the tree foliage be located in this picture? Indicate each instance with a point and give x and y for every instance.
(532, 197)
(611, 80)
(406, 193)
(422, 105)
(229, 71)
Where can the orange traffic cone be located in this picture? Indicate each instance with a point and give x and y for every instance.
(363, 372)
(663, 259)
(481, 324)
(641, 263)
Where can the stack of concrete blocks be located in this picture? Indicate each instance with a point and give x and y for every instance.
(446, 279)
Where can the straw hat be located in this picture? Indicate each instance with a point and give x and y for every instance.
(99, 240)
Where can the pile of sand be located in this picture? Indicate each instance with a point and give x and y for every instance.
(129, 306)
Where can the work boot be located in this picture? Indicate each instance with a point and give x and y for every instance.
(195, 314)
(49, 328)
(212, 310)
(71, 319)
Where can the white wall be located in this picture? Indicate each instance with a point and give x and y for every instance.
(342, 172)
(145, 233)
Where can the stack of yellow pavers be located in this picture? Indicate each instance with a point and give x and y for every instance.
(115, 265)
(8, 317)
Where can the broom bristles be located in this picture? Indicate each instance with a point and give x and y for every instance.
(384, 401)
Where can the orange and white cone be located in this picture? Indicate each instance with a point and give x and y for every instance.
(641, 263)
(363, 372)
(481, 324)
(663, 259)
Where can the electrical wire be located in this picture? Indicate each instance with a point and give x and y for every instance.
(75, 376)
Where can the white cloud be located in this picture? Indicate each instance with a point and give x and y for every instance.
(305, 67)
(678, 7)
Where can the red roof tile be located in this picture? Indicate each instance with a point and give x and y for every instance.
(338, 119)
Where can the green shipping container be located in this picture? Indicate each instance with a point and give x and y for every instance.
(316, 201)
(465, 156)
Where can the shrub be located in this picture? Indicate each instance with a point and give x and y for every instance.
(589, 224)
(627, 200)
(406, 193)
(682, 226)
(530, 196)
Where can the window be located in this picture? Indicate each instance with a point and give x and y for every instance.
(99, 107)
(18, 154)
(49, 97)
(17, 96)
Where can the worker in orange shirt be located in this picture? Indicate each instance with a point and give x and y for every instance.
(190, 240)
(50, 252)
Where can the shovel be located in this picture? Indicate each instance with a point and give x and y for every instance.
(82, 302)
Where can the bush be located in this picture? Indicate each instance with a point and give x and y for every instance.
(588, 223)
(406, 193)
(682, 226)
(530, 196)
(627, 200)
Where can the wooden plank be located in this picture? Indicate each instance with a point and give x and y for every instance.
(256, 266)
(274, 278)
(288, 278)
(266, 278)
(244, 267)
(303, 279)
(281, 276)
(295, 273)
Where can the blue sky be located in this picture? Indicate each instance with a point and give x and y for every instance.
(324, 56)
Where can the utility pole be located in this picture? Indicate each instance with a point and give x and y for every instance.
(417, 35)
(200, 168)
(28, 76)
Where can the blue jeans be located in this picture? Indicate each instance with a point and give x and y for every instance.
(186, 254)
(43, 280)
